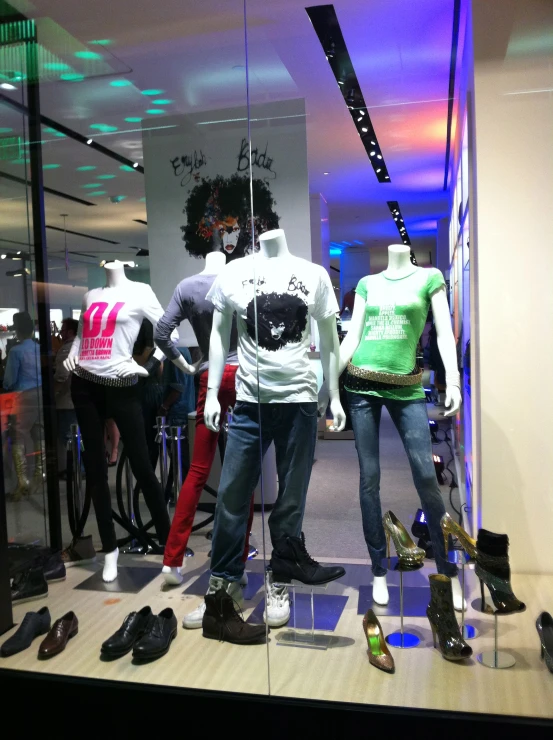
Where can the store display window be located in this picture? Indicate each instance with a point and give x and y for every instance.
(238, 310)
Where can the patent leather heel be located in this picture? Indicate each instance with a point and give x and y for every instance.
(409, 555)
(450, 527)
(544, 625)
(493, 569)
(441, 615)
(433, 635)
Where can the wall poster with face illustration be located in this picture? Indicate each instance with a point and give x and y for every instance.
(198, 197)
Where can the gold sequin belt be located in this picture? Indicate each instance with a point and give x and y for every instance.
(412, 378)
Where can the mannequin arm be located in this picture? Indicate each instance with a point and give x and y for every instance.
(355, 332)
(330, 358)
(448, 352)
(72, 359)
(218, 351)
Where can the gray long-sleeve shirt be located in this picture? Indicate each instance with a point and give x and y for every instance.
(189, 302)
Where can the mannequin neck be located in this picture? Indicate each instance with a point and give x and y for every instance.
(214, 263)
(115, 274)
(273, 244)
(399, 262)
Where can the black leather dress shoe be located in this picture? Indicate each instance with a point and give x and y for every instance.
(29, 585)
(33, 625)
(158, 637)
(133, 628)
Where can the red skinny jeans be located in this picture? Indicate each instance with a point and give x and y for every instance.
(205, 448)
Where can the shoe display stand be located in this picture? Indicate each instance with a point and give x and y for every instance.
(294, 638)
(134, 547)
(403, 639)
(459, 557)
(496, 658)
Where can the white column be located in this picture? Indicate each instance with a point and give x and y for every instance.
(320, 230)
(512, 259)
(355, 263)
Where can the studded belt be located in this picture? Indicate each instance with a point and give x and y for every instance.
(100, 380)
(369, 380)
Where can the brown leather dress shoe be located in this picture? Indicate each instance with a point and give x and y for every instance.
(62, 631)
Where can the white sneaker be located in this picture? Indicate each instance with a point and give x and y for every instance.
(380, 590)
(459, 602)
(193, 621)
(277, 612)
(172, 576)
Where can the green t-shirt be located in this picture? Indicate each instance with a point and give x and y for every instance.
(395, 315)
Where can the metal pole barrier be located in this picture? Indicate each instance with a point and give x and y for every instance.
(176, 459)
(161, 440)
(75, 444)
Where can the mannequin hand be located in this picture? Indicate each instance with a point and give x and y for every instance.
(212, 411)
(452, 401)
(322, 401)
(70, 363)
(131, 368)
(338, 415)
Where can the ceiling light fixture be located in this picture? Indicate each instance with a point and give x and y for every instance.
(393, 205)
(7, 86)
(89, 142)
(326, 173)
(135, 165)
(327, 27)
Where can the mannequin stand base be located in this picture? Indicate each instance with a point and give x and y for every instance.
(292, 637)
(403, 640)
(469, 632)
(496, 659)
(477, 606)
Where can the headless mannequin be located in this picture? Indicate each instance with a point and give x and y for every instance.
(399, 267)
(214, 262)
(116, 278)
(272, 245)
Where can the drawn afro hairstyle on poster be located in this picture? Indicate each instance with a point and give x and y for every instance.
(218, 216)
(281, 320)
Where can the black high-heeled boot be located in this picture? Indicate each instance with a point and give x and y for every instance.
(492, 568)
(441, 616)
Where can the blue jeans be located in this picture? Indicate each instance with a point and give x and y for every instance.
(293, 429)
(411, 421)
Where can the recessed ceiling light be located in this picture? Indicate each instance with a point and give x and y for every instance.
(364, 130)
(135, 165)
(326, 173)
(89, 142)
(372, 154)
(7, 86)
(379, 169)
(2, 256)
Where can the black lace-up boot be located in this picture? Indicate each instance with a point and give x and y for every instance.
(493, 569)
(222, 622)
(291, 561)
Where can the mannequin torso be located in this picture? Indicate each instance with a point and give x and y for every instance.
(214, 263)
(273, 244)
(399, 262)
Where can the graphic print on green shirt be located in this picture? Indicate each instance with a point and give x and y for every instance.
(395, 315)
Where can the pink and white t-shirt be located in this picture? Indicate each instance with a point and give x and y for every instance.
(109, 325)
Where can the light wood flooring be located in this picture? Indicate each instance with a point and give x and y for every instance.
(341, 673)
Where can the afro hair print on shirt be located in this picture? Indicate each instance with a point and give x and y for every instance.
(218, 216)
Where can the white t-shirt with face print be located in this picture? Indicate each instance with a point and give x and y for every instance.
(287, 290)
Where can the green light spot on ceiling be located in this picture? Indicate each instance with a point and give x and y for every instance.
(59, 135)
(101, 42)
(6, 130)
(126, 168)
(103, 127)
(162, 101)
(60, 66)
(142, 200)
(91, 185)
(152, 92)
(86, 168)
(71, 77)
(50, 166)
(133, 120)
(155, 111)
(120, 83)
(105, 177)
(98, 192)
(88, 55)
(20, 161)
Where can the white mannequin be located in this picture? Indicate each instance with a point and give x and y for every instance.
(272, 246)
(400, 266)
(214, 263)
(116, 278)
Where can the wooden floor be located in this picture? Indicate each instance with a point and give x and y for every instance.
(342, 673)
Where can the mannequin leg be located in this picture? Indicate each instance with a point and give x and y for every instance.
(124, 406)
(89, 401)
(295, 435)
(241, 471)
(366, 412)
(411, 421)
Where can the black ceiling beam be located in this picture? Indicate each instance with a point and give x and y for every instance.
(395, 210)
(451, 91)
(327, 27)
(79, 233)
(58, 193)
(45, 120)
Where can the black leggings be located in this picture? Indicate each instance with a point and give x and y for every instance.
(94, 403)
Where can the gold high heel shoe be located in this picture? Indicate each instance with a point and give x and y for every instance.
(379, 655)
(450, 526)
(410, 556)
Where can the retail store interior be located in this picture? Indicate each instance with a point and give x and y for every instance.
(360, 121)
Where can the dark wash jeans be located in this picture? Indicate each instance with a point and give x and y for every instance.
(411, 421)
(293, 429)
